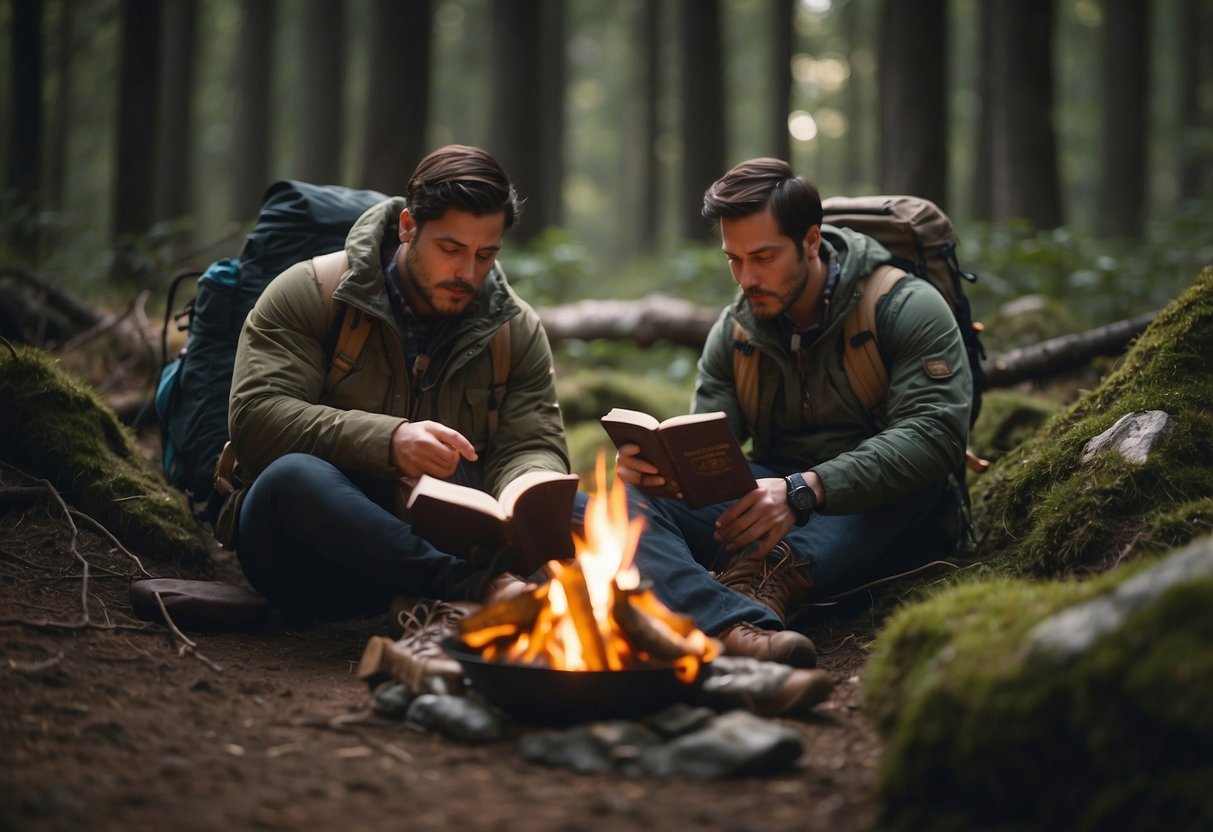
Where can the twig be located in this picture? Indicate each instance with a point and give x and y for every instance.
(47, 624)
(36, 667)
(829, 602)
(342, 724)
(99, 328)
(113, 540)
(187, 644)
(10, 346)
(76, 552)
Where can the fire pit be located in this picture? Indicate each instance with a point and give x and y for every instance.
(593, 642)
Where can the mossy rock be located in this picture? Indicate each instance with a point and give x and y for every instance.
(1041, 511)
(987, 722)
(54, 427)
(587, 394)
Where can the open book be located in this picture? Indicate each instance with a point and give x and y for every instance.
(533, 517)
(697, 454)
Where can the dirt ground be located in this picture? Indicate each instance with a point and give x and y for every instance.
(110, 726)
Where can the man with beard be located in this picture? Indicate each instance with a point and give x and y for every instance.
(313, 519)
(839, 488)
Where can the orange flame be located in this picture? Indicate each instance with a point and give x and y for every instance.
(574, 621)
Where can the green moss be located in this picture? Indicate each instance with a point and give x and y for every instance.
(1007, 419)
(587, 394)
(980, 729)
(1040, 510)
(54, 427)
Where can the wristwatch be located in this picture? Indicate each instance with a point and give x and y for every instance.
(801, 498)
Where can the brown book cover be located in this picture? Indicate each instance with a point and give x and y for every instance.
(697, 453)
(533, 517)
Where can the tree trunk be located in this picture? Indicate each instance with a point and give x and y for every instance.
(23, 171)
(134, 182)
(649, 176)
(553, 77)
(703, 111)
(783, 40)
(253, 83)
(1122, 197)
(55, 188)
(320, 119)
(983, 197)
(1194, 127)
(518, 105)
(175, 139)
(913, 96)
(1024, 179)
(398, 93)
(854, 167)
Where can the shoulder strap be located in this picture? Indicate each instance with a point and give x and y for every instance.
(330, 268)
(861, 356)
(745, 375)
(499, 351)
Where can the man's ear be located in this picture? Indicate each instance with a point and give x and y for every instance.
(407, 226)
(812, 241)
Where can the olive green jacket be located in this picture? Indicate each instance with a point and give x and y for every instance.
(279, 403)
(808, 416)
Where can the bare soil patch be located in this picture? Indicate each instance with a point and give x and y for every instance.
(112, 726)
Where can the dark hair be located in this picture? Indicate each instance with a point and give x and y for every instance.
(755, 185)
(463, 177)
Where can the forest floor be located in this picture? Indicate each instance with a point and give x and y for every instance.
(110, 725)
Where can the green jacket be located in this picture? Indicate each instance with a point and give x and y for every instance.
(279, 403)
(808, 416)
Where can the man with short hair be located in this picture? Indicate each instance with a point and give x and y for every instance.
(315, 524)
(837, 489)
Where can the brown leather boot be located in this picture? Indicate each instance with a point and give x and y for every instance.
(777, 580)
(783, 646)
(504, 587)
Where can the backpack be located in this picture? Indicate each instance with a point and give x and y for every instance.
(922, 241)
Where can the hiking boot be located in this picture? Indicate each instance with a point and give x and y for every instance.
(783, 646)
(777, 580)
(417, 658)
(764, 688)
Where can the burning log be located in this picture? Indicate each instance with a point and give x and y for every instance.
(504, 620)
(651, 627)
(581, 612)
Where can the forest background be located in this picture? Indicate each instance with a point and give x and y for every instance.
(1070, 140)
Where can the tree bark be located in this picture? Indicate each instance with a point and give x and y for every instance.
(783, 39)
(1024, 178)
(1122, 198)
(134, 182)
(553, 78)
(175, 138)
(321, 117)
(1194, 127)
(983, 197)
(703, 111)
(913, 99)
(23, 171)
(253, 82)
(398, 93)
(518, 105)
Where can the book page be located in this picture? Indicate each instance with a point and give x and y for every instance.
(459, 495)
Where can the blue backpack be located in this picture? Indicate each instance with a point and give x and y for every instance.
(296, 221)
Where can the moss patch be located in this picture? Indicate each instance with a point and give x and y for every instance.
(1007, 419)
(54, 427)
(1041, 511)
(981, 730)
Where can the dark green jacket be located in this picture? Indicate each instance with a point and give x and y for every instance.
(808, 416)
(279, 403)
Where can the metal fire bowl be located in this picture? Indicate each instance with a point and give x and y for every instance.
(542, 696)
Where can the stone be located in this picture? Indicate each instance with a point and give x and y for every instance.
(1133, 436)
(734, 744)
(455, 717)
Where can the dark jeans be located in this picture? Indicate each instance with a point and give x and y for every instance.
(317, 544)
(677, 550)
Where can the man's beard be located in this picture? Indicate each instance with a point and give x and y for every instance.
(414, 273)
(786, 302)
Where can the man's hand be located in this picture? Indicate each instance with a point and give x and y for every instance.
(633, 470)
(760, 519)
(429, 448)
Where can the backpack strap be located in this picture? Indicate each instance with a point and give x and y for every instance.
(355, 328)
(499, 350)
(861, 359)
(745, 375)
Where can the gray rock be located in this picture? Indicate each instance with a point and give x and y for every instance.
(592, 747)
(391, 699)
(1133, 436)
(1073, 631)
(455, 717)
(731, 745)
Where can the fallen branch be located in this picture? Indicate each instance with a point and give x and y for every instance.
(1069, 352)
(36, 667)
(188, 645)
(84, 565)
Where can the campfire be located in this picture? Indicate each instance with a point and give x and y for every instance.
(595, 615)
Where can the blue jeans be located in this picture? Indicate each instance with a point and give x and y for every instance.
(677, 549)
(318, 544)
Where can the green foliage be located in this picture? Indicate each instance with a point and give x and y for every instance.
(1040, 510)
(1097, 280)
(54, 427)
(1008, 418)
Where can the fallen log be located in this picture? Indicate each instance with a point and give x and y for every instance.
(648, 320)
